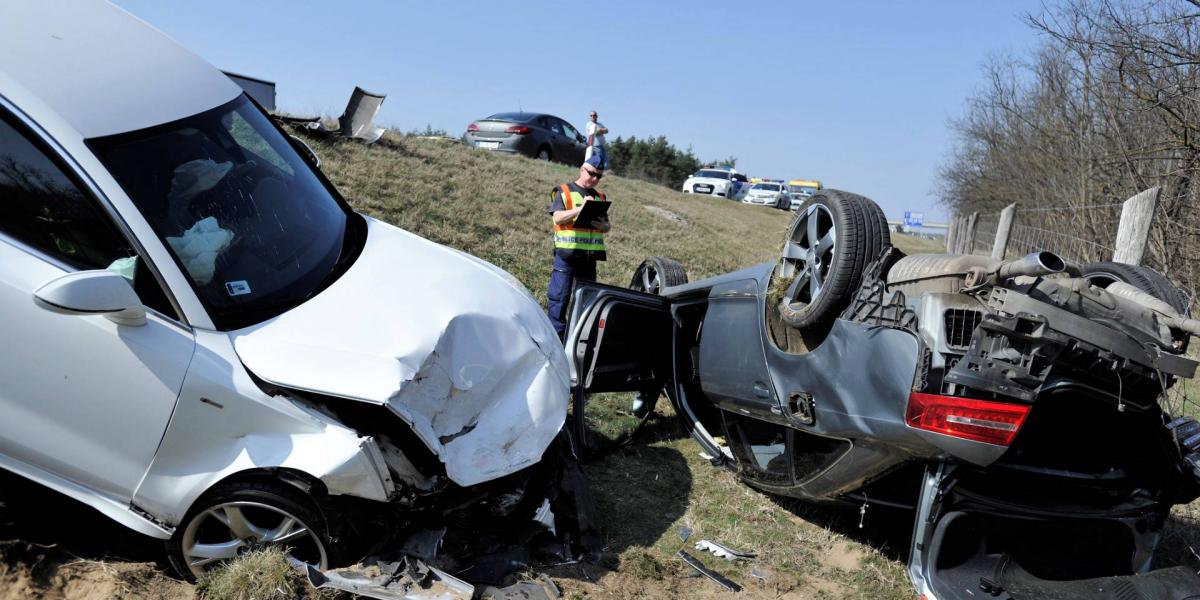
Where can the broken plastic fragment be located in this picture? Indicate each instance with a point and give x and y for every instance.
(723, 551)
(545, 516)
(423, 545)
(685, 533)
(695, 563)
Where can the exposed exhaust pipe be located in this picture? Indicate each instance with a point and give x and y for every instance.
(1033, 264)
(1030, 265)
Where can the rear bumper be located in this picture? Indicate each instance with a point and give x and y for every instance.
(1022, 543)
(513, 144)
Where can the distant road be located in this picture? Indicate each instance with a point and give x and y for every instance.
(925, 226)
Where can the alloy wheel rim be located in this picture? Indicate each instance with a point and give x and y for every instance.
(651, 280)
(230, 529)
(808, 254)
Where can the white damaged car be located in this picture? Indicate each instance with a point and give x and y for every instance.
(205, 343)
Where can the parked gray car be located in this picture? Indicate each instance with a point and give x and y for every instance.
(1019, 409)
(536, 135)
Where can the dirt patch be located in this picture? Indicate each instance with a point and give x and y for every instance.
(843, 556)
(666, 214)
(89, 580)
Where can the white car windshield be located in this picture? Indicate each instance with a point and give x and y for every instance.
(252, 226)
(712, 174)
(766, 187)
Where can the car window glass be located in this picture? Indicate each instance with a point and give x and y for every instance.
(555, 126)
(246, 219)
(571, 132)
(43, 208)
(250, 140)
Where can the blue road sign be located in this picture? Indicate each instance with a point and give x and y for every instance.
(913, 219)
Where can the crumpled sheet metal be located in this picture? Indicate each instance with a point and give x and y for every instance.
(418, 581)
(451, 344)
(392, 581)
(720, 550)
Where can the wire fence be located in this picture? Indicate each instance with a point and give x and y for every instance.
(1087, 233)
(1079, 234)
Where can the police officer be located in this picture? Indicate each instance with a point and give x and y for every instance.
(577, 246)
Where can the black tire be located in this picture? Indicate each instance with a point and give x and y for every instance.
(1102, 274)
(656, 273)
(543, 153)
(260, 502)
(860, 233)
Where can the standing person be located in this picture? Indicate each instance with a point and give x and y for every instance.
(577, 246)
(596, 141)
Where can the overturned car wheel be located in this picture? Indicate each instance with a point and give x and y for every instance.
(1102, 274)
(656, 273)
(834, 236)
(238, 517)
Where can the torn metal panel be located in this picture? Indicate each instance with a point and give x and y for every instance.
(467, 358)
(722, 551)
(404, 580)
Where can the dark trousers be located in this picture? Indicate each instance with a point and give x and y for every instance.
(558, 294)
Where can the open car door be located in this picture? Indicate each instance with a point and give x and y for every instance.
(618, 340)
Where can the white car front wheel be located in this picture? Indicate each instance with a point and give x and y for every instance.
(239, 517)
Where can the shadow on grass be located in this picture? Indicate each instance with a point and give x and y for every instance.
(611, 424)
(886, 529)
(44, 529)
(640, 490)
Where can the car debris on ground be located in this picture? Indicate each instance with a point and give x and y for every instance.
(722, 551)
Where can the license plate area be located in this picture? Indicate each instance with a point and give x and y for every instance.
(488, 145)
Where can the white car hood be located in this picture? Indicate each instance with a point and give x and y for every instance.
(453, 345)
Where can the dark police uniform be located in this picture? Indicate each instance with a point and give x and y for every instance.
(576, 250)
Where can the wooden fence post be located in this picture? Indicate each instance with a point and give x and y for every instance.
(1003, 230)
(967, 244)
(1134, 229)
(951, 232)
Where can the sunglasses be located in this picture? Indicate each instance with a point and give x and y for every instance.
(596, 174)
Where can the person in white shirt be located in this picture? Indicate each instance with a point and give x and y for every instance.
(595, 138)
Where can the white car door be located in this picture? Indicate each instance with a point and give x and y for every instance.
(81, 397)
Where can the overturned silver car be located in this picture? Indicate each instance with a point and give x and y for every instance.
(1018, 408)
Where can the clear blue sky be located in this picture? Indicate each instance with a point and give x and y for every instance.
(857, 95)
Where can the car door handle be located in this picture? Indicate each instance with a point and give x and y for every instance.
(761, 390)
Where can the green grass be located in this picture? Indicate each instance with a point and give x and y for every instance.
(260, 575)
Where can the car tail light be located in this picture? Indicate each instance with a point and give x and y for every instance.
(472, 127)
(966, 418)
(517, 129)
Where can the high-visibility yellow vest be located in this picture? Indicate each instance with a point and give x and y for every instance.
(567, 236)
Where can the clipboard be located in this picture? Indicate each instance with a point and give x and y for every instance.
(592, 210)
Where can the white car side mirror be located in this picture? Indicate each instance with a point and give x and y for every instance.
(93, 293)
